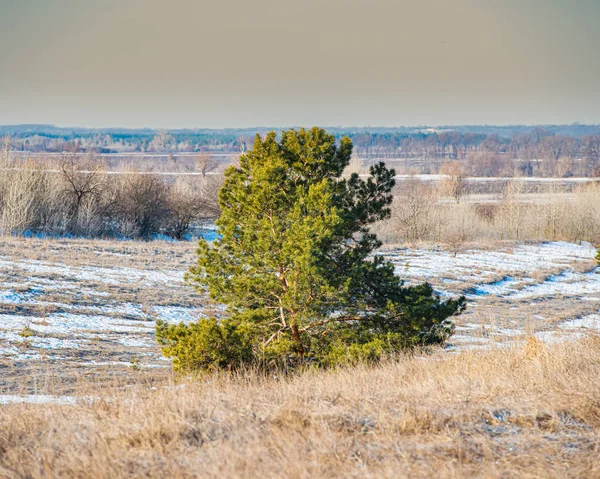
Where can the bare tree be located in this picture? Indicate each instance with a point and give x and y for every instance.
(242, 147)
(487, 163)
(553, 148)
(85, 183)
(565, 167)
(162, 141)
(453, 184)
(205, 163)
(592, 154)
(356, 165)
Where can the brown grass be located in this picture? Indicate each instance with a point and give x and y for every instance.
(527, 412)
(423, 212)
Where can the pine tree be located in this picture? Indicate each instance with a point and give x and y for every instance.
(294, 265)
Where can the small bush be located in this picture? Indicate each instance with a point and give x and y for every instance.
(26, 332)
(205, 345)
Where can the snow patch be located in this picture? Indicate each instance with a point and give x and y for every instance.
(114, 276)
(475, 266)
(589, 322)
(177, 314)
(37, 399)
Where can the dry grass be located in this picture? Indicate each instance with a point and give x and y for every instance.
(527, 412)
(423, 212)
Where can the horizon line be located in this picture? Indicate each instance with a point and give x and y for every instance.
(264, 127)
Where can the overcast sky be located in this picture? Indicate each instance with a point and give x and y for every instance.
(234, 63)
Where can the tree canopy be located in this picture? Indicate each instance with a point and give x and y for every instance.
(295, 266)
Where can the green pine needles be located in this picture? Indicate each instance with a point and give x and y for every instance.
(294, 265)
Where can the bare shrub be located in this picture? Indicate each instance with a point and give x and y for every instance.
(189, 201)
(584, 224)
(420, 213)
(513, 209)
(453, 185)
(52, 213)
(18, 199)
(77, 195)
(142, 205)
(416, 212)
(486, 211)
(21, 185)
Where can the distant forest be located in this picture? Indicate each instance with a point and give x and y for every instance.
(549, 150)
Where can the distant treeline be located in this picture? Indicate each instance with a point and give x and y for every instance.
(551, 150)
(51, 138)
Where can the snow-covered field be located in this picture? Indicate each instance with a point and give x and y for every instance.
(549, 290)
(83, 304)
(81, 307)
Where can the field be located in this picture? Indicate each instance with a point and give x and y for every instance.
(67, 310)
(85, 391)
(73, 309)
(184, 294)
(528, 411)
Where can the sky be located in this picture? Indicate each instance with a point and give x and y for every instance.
(243, 63)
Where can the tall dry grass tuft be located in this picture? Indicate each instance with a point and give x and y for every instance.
(534, 347)
(502, 413)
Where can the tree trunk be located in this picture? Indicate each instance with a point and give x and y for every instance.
(298, 339)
